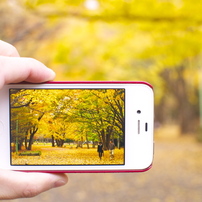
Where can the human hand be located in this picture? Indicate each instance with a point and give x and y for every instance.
(14, 69)
(15, 184)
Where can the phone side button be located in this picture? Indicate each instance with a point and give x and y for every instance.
(153, 147)
(1, 128)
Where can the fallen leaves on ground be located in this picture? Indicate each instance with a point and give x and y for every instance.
(68, 156)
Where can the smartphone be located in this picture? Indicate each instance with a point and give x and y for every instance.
(77, 127)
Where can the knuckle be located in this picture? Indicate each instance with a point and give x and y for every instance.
(30, 191)
(7, 49)
(12, 51)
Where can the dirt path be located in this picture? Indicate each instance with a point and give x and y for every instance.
(176, 176)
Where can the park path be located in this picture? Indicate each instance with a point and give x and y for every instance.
(176, 176)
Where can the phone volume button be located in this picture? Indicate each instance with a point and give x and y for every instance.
(1, 128)
(153, 147)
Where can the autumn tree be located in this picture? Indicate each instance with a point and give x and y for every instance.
(27, 109)
(103, 113)
(77, 114)
(152, 40)
(23, 123)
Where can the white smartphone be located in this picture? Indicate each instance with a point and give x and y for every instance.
(77, 127)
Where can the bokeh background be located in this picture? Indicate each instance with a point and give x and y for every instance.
(158, 41)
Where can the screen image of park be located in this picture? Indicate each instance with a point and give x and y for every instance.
(67, 126)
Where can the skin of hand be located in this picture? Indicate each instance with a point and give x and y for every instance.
(14, 69)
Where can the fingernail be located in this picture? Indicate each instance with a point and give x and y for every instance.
(60, 183)
(52, 75)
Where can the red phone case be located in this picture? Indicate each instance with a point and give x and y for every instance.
(94, 171)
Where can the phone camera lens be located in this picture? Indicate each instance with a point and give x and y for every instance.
(139, 111)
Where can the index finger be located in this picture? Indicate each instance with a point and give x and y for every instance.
(7, 49)
(18, 69)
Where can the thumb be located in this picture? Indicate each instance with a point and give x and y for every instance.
(24, 185)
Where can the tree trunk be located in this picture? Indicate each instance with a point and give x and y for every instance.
(60, 142)
(87, 141)
(32, 131)
(53, 141)
(26, 143)
(176, 85)
(105, 146)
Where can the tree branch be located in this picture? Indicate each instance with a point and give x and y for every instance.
(115, 18)
(25, 105)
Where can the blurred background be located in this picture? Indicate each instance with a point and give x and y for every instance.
(158, 41)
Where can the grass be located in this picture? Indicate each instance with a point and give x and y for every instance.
(30, 153)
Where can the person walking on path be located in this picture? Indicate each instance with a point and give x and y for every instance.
(100, 150)
(111, 149)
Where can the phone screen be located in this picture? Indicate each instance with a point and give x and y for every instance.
(67, 126)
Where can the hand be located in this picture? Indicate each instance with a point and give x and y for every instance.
(14, 69)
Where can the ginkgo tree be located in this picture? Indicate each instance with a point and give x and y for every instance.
(103, 112)
(27, 109)
(82, 115)
(158, 41)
